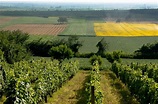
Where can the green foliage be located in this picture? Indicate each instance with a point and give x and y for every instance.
(30, 82)
(1, 55)
(41, 48)
(102, 46)
(114, 56)
(147, 51)
(12, 44)
(15, 53)
(94, 82)
(96, 58)
(61, 52)
(138, 81)
(74, 43)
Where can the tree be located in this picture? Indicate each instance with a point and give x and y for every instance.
(62, 20)
(13, 45)
(102, 46)
(61, 52)
(96, 58)
(74, 43)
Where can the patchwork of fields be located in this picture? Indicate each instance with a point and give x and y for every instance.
(125, 29)
(47, 26)
(76, 26)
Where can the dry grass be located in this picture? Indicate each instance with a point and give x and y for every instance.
(126, 29)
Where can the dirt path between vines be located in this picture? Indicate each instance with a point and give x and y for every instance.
(73, 92)
(114, 91)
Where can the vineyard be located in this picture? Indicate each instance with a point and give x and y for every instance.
(38, 29)
(140, 79)
(125, 29)
(30, 82)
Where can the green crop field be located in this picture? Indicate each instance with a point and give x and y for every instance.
(126, 44)
(80, 27)
(27, 20)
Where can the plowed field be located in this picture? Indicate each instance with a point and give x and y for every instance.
(125, 29)
(38, 29)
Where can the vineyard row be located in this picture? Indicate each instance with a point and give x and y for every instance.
(134, 76)
(30, 82)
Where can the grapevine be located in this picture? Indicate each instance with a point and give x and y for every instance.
(94, 84)
(30, 82)
(140, 85)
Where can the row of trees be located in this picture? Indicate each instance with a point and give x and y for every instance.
(14, 47)
(61, 49)
(147, 51)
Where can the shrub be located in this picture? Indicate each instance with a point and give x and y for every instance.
(114, 56)
(61, 52)
(96, 58)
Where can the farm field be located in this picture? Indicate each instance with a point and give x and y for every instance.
(125, 29)
(4, 20)
(126, 44)
(26, 20)
(38, 29)
(75, 26)
(81, 27)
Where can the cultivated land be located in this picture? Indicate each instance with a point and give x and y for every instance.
(7, 19)
(75, 26)
(126, 36)
(125, 29)
(73, 92)
(38, 29)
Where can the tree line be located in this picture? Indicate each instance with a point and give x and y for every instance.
(14, 46)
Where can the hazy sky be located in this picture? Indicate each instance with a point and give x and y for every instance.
(106, 1)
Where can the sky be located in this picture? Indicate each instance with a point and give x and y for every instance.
(91, 1)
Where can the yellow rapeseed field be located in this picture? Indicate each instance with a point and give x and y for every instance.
(125, 29)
